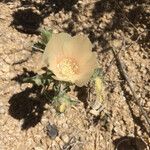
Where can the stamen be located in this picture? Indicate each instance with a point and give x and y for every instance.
(68, 68)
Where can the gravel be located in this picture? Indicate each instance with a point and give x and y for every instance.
(106, 26)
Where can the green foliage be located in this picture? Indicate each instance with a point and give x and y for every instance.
(38, 47)
(60, 98)
(97, 82)
(40, 80)
(62, 101)
(98, 72)
(45, 35)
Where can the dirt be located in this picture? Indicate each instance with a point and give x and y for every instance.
(24, 114)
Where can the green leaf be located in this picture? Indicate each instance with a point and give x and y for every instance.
(62, 101)
(98, 72)
(38, 47)
(34, 80)
(40, 80)
(45, 35)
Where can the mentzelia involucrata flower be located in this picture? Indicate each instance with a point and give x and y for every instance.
(70, 58)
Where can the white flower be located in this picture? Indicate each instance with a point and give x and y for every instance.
(70, 58)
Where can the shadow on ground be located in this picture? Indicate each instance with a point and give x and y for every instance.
(27, 106)
(27, 20)
(129, 143)
(122, 20)
(48, 6)
(6, 1)
(136, 16)
(82, 95)
(26, 73)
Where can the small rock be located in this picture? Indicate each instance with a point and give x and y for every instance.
(2, 17)
(94, 112)
(136, 47)
(1, 104)
(65, 138)
(96, 105)
(55, 31)
(38, 148)
(54, 145)
(2, 122)
(148, 103)
(116, 43)
(5, 68)
(2, 111)
(20, 146)
(44, 120)
(102, 25)
(52, 131)
(65, 125)
(61, 144)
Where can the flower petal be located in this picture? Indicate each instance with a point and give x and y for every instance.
(78, 47)
(86, 71)
(54, 47)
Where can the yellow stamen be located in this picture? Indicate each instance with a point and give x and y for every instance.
(68, 68)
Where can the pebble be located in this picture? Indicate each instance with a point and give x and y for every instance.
(38, 148)
(2, 122)
(148, 103)
(2, 111)
(94, 112)
(13, 44)
(65, 125)
(136, 47)
(5, 67)
(20, 146)
(52, 131)
(61, 144)
(116, 43)
(2, 17)
(44, 120)
(1, 104)
(65, 138)
(55, 31)
(101, 25)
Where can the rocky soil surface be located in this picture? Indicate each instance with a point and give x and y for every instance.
(24, 116)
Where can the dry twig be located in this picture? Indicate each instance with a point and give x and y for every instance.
(126, 77)
(123, 47)
(124, 15)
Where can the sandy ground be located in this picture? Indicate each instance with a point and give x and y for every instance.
(24, 115)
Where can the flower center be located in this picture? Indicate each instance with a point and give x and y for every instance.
(68, 68)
